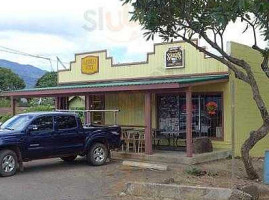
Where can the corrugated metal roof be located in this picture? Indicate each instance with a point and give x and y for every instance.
(193, 79)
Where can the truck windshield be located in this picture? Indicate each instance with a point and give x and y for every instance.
(17, 122)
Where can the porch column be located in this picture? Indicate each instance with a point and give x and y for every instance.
(58, 103)
(61, 103)
(13, 105)
(189, 122)
(148, 124)
(88, 106)
(65, 105)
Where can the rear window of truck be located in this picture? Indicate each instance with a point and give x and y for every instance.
(66, 122)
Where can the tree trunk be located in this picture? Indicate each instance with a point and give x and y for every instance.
(254, 137)
(243, 71)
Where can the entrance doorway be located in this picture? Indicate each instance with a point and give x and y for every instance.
(98, 103)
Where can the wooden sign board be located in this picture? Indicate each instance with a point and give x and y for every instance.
(90, 65)
(174, 58)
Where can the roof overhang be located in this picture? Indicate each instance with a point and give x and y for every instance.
(119, 86)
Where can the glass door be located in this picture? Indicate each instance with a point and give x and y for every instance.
(207, 118)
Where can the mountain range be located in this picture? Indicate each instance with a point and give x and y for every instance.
(30, 74)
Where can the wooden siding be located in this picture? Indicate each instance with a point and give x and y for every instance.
(131, 106)
(195, 63)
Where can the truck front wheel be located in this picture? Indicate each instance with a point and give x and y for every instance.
(97, 154)
(9, 163)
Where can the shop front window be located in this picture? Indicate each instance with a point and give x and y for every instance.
(207, 113)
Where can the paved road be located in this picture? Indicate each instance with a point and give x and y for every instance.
(55, 180)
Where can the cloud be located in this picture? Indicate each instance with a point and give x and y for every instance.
(62, 28)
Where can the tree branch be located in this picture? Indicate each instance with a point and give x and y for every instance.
(232, 59)
(247, 77)
(214, 45)
(265, 61)
(265, 66)
(238, 73)
(253, 29)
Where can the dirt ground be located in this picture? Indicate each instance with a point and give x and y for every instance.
(215, 174)
(218, 174)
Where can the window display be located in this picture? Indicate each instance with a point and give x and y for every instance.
(206, 114)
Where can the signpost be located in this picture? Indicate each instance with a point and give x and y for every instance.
(266, 167)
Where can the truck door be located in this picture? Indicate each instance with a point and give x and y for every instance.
(40, 142)
(69, 138)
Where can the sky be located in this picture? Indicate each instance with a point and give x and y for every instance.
(62, 28)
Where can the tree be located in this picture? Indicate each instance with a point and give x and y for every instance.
(10, 81)
(47, 80)
(209, 19)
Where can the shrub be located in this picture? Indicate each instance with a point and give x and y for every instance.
(4, 103)
(195, 171)
(39, 108)
(4, 118)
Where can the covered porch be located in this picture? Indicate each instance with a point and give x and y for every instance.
(149, 88)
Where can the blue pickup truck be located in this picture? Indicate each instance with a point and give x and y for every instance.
(40, 135)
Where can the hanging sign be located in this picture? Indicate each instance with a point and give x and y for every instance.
(174, 58)
(90, 65)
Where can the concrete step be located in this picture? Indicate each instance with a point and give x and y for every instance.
(172, 157)
(145, 165)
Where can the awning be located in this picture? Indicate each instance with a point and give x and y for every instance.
(131, 85)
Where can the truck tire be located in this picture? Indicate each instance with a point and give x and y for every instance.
(69, 158)
(97, 154)
(9, 163)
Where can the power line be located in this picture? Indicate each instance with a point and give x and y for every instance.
(17, 52)
(24, 53)
(29, 55)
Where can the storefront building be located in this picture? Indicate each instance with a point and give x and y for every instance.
(178, 93)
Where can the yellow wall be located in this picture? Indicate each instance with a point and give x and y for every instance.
(131, 106)
(195, 62)
(247, 116)
(76, 102)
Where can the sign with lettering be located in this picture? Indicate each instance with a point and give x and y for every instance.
(90, 65)
(174, 58)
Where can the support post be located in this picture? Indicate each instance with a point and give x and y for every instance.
(13, 105)
(88, 106)
(58, 103)
(61, 103)
(65, 105)
(189, 122)
(148, 124)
